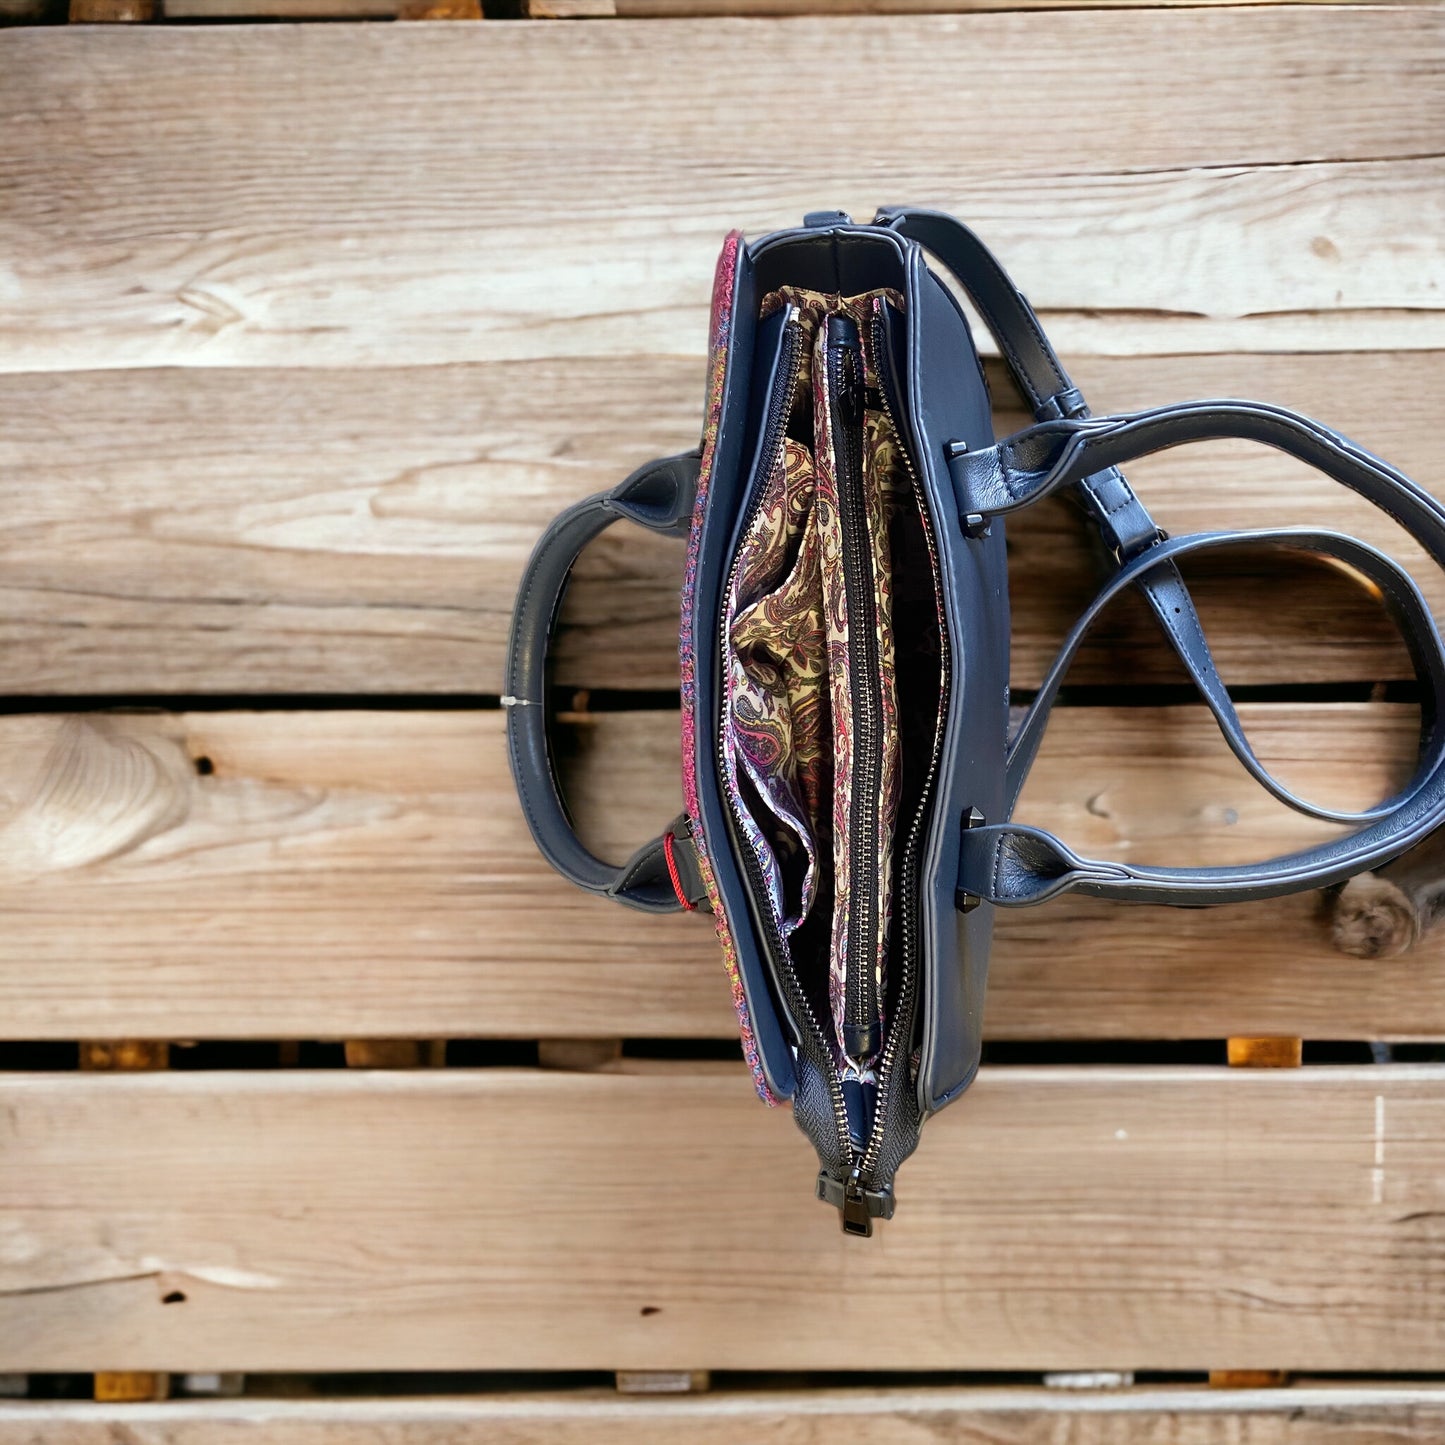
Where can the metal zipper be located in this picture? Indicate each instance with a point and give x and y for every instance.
(780, 407)
(861, 1029)
(863, 1174)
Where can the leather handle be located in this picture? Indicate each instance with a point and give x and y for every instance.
(1010, 864)
(1042, 459)
(658, 496)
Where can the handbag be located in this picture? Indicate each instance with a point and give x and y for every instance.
(848, 768)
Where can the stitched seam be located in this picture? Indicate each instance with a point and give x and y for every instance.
(1003, 334)
(523, 789)
(1121, 503)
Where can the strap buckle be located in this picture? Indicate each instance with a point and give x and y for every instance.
(1123, 554)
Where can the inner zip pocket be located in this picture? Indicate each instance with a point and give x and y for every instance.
(853, 505)
(774, 657)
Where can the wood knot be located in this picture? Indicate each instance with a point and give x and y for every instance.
(88, 790)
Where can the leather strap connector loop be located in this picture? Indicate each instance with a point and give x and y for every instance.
(1126, 551)
(1062, 405)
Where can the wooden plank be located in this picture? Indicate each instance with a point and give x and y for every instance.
(31, 12)
(189, 530)
(112, 12)
(1247, 1379)
(1373, 1414)
(1267, 1053)
(663, 1382)
(288, 9)
(341, 874)
(125, 1054)
(1058, 1217)
(439, 10)
(424, 230)
(385, 1054)
(662, 9)
(128, 1386)
(652, 9)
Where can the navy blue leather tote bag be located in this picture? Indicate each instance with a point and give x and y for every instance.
(848, 768)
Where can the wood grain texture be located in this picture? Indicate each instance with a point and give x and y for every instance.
(341, 874)
(129, 1386)
(1374, 1414)
(646, 9)
(112, 12)
(1269, 179)
(1247, 1379)
(363, 530)
(659, 9)
(498, 1219)
(290, 9)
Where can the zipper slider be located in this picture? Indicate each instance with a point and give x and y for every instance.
(846, 363)
(857, 1205)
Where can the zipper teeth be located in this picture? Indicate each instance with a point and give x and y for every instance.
(908, 887)
(775, 437)
(860, 986)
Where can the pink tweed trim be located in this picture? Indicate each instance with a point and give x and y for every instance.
(720, 328)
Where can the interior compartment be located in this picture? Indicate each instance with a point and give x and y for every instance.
(833, 667)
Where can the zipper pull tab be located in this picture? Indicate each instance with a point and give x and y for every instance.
(855, 1216)
(857, 1205)
(852, 384)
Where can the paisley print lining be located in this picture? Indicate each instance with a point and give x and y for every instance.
(788, 708)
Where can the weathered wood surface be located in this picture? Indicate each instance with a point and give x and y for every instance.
(341, 874)
(646, 9)
(1268, 179)
(498, 1219)
(301, 10)
(113, 12)
(662, 9)
(1374, 1414)
(194, 530)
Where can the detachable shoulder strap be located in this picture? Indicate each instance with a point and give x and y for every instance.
(1070, 450)
(1122, 519)
(1125, 525)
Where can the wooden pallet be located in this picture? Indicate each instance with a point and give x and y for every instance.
(305, 331)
